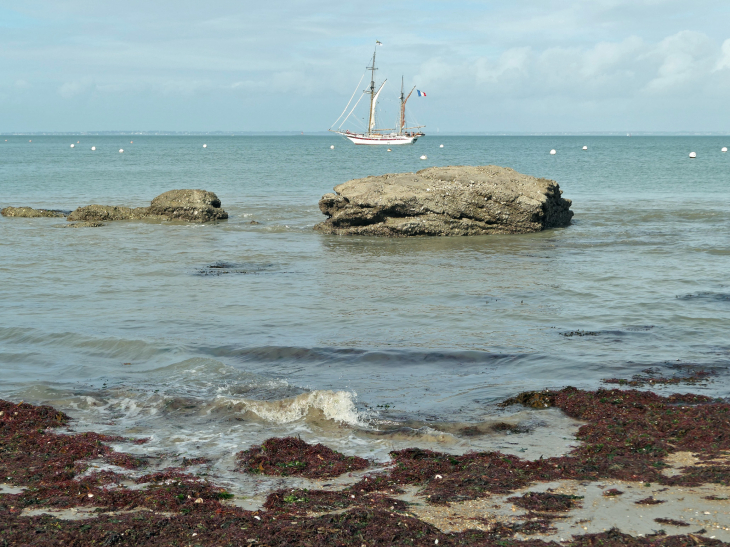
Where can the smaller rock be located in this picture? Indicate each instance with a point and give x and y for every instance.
(254, 222)
(29, 212)
(187, 205)
(98, 213)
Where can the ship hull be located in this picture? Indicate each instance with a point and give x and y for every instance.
(390, 140)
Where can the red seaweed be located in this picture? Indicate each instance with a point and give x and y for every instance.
(290, 456)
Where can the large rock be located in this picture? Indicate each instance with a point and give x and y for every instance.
(29, 212)
(187, 205)
(99, 213)
(455, 200)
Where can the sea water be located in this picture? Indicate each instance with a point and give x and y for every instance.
(366, 344)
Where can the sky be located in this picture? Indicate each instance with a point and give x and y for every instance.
(517, 66)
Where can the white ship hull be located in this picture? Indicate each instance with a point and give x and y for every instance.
(380, 139)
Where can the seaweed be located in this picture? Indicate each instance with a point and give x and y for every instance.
(671, 522)
(649, 501)
(626, 436)
(291, 456)
(545, 501)
(612, 493)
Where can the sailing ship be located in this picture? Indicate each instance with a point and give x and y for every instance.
(374, 136)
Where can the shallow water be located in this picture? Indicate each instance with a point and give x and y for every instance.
(366, 344)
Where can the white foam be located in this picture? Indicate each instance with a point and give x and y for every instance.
(338, 406)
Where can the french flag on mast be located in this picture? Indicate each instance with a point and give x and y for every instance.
(421, 93)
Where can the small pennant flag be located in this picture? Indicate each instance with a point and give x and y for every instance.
(420, 93)
(378, 43)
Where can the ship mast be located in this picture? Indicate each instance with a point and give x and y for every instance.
(403, 101)
(371, 89)
(402, 109)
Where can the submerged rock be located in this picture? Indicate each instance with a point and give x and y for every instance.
(183, 205)
(187, 205)
(97, 213)
(29, 212)
(455, 200)
(89, 224)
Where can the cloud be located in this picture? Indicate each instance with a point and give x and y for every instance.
(685, 57)
(724, 60)
(69, 90)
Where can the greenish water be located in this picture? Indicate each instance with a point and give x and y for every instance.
(362, 343)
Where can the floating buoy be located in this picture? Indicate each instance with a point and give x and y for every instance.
(441, 146)
(73, 145)
(30, 141)
(585, 148)
(131, 142)
(93, 147)
(553, 152)
(389, 150)
(121, 150)
(424, 157)
(332, 147)
(724, 148)
(693, 155)
(77, 142)
(205, 146)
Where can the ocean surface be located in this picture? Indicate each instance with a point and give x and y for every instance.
(365, 344)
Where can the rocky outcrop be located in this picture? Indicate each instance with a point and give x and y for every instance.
(187, 205)
(29, 212)
(99, 213)
(180, 205)
(455, 200)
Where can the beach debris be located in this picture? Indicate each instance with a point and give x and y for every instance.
(693, 155)
(553, 152)
(445, 201)
(291, 456)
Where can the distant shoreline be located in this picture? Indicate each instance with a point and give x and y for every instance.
(328, 134)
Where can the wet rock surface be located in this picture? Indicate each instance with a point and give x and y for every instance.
(454, 200)
(29, 212)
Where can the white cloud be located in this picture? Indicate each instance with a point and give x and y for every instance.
(69, 90)
(724, 60)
